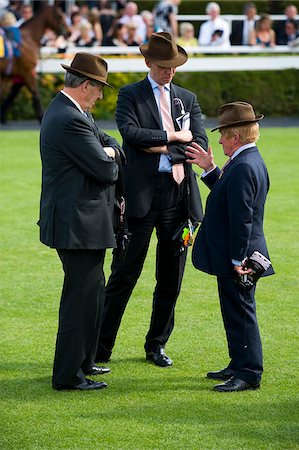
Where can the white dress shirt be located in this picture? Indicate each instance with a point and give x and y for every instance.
(248, 26)
(74, 101)
(164, 163)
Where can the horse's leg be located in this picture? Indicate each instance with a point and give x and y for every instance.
(14, 90)
(31, 83)
(37, 106)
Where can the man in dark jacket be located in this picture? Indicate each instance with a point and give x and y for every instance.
(241, 29)
(231, 231)
(76, 215)
(156, 119)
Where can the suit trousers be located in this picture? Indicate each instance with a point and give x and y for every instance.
(239, 317)
(80, 314)
(166, 213)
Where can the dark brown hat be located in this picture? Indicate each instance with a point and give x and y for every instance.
(163, 50)
(91, 66)
(236, 113)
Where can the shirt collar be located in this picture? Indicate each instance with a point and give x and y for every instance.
(73, 100)
(154, 84)
(240, 149)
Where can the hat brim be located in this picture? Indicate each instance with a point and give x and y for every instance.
(86, 74)
(179, 60)
(239, 122)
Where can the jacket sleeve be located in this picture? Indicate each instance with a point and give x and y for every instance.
(176, 149)
(129, 125)
(241, 193)
(211, 178)
(82, 147)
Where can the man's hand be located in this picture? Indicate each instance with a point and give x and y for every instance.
(199, 156)
(109, 152)
(183, 136)
(241, 270)
(160, 149)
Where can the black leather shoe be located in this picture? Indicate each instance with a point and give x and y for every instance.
(97, 370)
(159, 358)
(235, 384)
(224, 374)
(86, 385)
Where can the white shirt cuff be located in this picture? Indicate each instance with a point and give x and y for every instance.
(204, 174)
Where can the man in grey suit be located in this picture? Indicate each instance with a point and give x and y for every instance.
(231, 231)
(79, 172)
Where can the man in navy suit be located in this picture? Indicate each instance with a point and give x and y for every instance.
(155, 196)
(231, 231)
(76, 215)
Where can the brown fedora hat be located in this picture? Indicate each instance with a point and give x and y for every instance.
(163, 50)
(236, 113)
(90, 66)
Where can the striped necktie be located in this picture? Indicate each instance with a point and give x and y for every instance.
(177, 169)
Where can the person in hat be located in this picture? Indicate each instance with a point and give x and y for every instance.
(156, 119)
(79, 172)
(231, 231)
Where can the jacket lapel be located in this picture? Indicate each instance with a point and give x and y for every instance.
(147, 94)
(175, 106)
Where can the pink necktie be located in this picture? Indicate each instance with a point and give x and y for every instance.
(177, 169)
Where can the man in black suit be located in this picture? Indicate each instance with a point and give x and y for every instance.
(156, 119)
(231, 231)
(280, 26)
(79, 172)
(241, 29)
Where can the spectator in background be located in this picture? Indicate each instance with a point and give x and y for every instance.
(75, 26)
(106, 16)
(150, 28)
(93, 18)
(241, 29)
(87, 37)
(26, 13)
(118, 35)
(263, 35)
(131, 15)
(165, 14)
(14, 7)
(280, 29)
(290, 32)
(84, 11)
(50, 39)
(216, 30)
(187, 38)
(131, 39)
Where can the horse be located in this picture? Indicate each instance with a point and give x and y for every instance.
(22, 72)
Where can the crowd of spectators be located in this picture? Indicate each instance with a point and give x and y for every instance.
(120, 23)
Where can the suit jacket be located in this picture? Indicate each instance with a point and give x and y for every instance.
(236, 37)
(281, 36)
(78, 180)
(139, 123)
(233, 224)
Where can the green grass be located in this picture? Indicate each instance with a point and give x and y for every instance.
(145, 407)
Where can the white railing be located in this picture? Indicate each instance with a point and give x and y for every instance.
(206, 64)
(234, 49)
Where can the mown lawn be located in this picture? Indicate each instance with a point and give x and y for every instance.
(145, 407)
